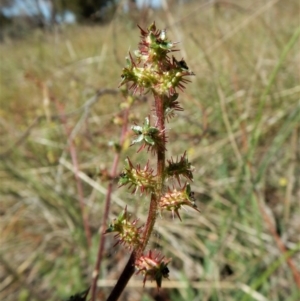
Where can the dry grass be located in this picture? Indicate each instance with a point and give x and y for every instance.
(240, 128)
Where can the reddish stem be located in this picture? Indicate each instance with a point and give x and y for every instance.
(124, 278)
(106, 210)
(76, 167)
(280, 244)
(80, 194)
(129, 268)
(73, 153)
(160, 175)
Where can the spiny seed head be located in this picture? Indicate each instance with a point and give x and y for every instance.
(137, 177)
(178, 168)
(152, 69)
(173, 200)
(127, 232)
(154, 45)
(171, 105)
(153, 267)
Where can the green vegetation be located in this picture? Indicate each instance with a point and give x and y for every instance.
(240, 126)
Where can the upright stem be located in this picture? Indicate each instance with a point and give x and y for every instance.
(161, 152)
(149, 224)
(152, 70)
(124, 278)
(160, 175)
(102, 238)
(153, 208)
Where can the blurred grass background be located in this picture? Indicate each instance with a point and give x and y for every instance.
(240, 128)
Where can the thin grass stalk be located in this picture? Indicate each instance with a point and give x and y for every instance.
(113, 174)
(73, 154)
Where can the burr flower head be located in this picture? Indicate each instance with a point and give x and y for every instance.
(180, 168)
(153, 267)
(128, 233)
(171, 105)
(137, 177)
(152, 69)
(174, 200)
